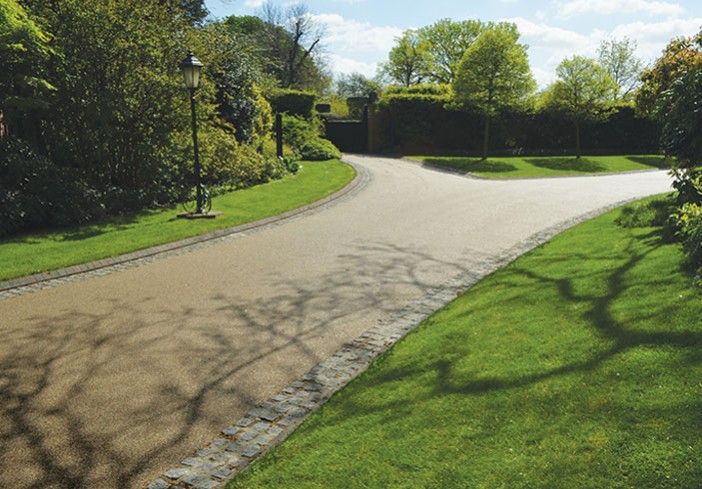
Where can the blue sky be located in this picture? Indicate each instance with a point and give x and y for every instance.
(360, 33)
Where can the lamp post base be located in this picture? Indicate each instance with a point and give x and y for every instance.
(200, 215)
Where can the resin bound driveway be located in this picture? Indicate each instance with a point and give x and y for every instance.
(109, 381)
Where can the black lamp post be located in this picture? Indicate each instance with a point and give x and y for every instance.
(191, 68)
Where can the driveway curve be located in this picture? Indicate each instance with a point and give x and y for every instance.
(106, 382)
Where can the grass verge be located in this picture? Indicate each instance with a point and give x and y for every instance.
(38, 252)
(545, 166)
(576, 366)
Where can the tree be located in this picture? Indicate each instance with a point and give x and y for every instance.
(583, 92)
(287, 44)
(620, 61)
(298, 50)
(677, 79)
(494, 75)
(679, 55)
(356, 85)
(446, 41)
(119, 98)
(24, 86)
(408, 59)
(237, 78)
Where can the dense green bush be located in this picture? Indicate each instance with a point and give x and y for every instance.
(304, 136)
(292, 102)
(230, 165)
(688, 223)
(35, 193)
(319, 150)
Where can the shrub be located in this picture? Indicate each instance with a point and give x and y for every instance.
(293, 102)
(319, 149)
(304, 136)
(688, 222)
(34, 193)
(228, 164)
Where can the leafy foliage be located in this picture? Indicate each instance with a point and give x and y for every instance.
(286, 44)
(681, 105)
(619, 59)
(494, 75)
(583, 92)
(678, 57)
(356, 85)
(35, 193)
(24, 86)
(304, 136)
(672, 93)
(446, 41)
(239, 98)
(102, 104)
(293, 102)
(408, 60)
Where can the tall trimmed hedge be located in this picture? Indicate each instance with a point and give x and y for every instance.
(422, 123)
(292, 102)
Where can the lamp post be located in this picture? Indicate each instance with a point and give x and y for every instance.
(191, 68)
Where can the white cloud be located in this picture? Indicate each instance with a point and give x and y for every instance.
(543, 77)
(572, 8)
(340, 64)
(254, 3)
(354, 36)
(549, 45)
(653, 37)
(546, 35)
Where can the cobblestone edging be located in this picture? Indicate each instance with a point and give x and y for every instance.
(268, 424)
(26, 285)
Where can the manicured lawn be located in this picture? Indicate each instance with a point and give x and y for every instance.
(27, 254)
(511, 167)
(577, 366)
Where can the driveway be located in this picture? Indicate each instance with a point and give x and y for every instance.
(107, 382)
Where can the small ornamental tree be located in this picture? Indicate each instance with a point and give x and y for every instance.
(494, 75)
(407, 60)
(619, 59)
(583, 92)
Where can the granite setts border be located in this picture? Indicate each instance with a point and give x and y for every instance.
(32, 283)
(268, 424)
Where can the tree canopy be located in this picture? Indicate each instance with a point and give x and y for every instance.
(407, 61)
(24, 86)
(619, 59)
(494, 74)
(445, 42)
(583, 92)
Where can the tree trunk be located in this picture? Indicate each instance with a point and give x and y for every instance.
(577, 139)
(486, 137)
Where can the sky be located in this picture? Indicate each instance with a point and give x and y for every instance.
(360, 33)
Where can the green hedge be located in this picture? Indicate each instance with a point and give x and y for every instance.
(293, 102)
(424, 123)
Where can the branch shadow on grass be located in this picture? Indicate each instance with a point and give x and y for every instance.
(472, 165)
(660, 162)
(439, 377)
(568, 164)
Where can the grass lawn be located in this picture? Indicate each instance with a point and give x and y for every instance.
(577, 366)
(38, 252)
(545, 166)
